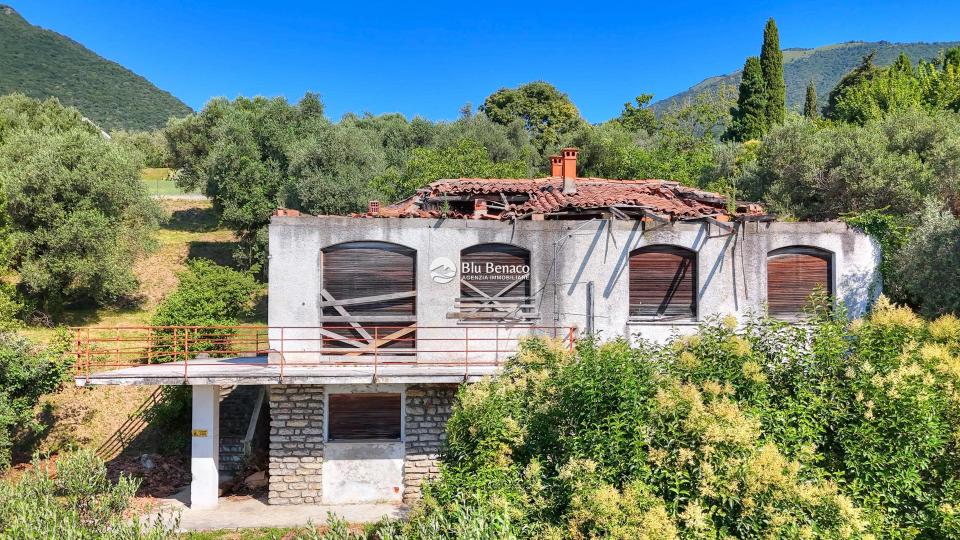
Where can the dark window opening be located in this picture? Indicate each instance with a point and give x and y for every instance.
(663, 282)
(363, 416)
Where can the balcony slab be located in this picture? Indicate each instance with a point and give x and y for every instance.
(257, 370)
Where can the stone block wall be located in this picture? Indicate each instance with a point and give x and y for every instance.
(296, 444)
(428, 408)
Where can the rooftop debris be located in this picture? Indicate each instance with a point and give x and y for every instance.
(507, 199)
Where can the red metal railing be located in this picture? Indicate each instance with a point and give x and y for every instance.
(106, 349)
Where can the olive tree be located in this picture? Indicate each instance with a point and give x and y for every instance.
(79, 216)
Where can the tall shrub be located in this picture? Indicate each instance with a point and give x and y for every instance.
(208, 295)
(758, 429)
(928, 265)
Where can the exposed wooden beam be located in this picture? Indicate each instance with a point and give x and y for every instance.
(491, 315)
(618, 213)
(325, 294)
(714, 221)
(338, 337)
(386, 339)
(502, 298)
(369, 299)
(355, 320)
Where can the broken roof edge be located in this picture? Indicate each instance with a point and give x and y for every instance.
(521, 197)
(526, 198)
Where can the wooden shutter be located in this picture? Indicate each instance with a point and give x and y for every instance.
(363, 269)
(663, 282)
(793, 273)
(499, 254)
(363, 416)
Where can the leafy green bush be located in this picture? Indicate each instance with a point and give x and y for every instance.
(891, 233)
(27, 371)
(835, 429)
(208, 295)
(817, 170)
(75, 501)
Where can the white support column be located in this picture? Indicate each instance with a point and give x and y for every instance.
(205, 447)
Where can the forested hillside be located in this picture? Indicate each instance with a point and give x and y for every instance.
(822, 65)
(41, 63)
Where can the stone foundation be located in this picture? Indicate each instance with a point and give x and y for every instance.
(428, 408)
(296, 444)
(296, 440)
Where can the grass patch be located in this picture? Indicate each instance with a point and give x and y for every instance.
(155, 173)
(158, 182)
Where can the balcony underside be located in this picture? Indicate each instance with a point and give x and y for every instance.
(256, 370)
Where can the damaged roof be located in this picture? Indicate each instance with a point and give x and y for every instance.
(508, 198)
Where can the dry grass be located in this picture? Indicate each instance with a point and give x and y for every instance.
(86, 417)
(190, 231)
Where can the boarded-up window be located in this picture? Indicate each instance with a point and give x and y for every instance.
(793, 274)
(494, 269)
(495, 282)
(663, 282)
(363, 416)
(369, 292)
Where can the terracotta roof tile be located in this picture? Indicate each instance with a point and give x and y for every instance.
(545, 195)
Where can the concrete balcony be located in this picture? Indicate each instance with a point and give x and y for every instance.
(299, 355)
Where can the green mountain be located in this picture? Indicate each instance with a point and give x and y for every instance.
(41, 63)
(823, 65)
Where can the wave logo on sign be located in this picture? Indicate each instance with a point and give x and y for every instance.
(442, 270)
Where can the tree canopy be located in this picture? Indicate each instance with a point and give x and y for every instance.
(869, 93)
(252, 156)
(544, 111)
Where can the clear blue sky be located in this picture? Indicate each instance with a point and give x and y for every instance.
(430, 58)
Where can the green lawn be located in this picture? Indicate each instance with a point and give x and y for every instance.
(159, 183)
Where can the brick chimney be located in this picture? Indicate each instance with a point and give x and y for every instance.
(479, 207)
(373, 207)
(569, 156)
(556, 166)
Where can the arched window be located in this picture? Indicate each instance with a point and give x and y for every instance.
(495, 283)
(368, 294)
(663, 283)
(793, 274)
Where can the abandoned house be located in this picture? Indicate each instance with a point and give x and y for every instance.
(376, 318)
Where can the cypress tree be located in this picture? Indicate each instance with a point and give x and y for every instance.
(810, 102)
(749, 116)
(771, 62)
